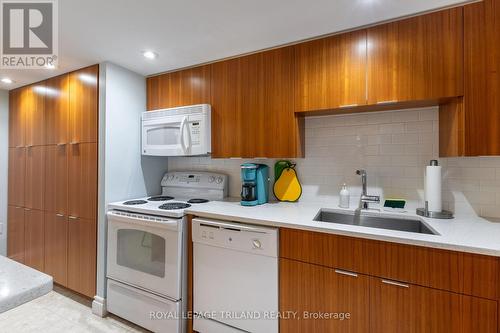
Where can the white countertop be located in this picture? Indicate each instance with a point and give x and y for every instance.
(20, 284)
(463, 233)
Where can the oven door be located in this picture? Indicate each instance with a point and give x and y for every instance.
(145, 251)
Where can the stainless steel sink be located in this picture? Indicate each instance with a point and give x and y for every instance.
(364, 220)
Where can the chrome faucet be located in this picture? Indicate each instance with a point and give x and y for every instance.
(365, 198)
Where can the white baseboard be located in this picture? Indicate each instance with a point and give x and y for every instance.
(99, 306)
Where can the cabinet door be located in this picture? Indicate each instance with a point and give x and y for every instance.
(17, 174)
(82, 180)
(16, 119)
(34, 238)
(15, 233)
(56, 247)
(419, 58)
(34, 103)
(252, 106)
(398, 307)
(57, 110)
(331, 72)
(35, 175)
(82, 256)
(56, 179)
(186, 87)
(482, 78)
(307, 288)
(83, 104)
(479, 315)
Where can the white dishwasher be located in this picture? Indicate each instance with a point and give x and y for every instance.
(235, 277)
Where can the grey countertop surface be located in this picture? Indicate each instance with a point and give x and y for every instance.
(20, 284)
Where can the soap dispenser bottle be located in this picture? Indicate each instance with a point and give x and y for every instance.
(344, 197)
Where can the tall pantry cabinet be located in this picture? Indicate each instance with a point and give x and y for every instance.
(52, 215)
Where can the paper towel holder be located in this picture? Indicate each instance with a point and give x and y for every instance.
(445, 214)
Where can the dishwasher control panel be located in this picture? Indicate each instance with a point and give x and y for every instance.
(241, 237)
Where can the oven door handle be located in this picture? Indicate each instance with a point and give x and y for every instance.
(148, 221)
(183, 143)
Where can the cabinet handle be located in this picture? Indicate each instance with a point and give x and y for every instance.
(27, 209)
(394, 283)
(19, 147)
(388, 102)
(19, 207)
(59, 215)
(29, 146)
(74, 143)
(342, 272)
(61, 144)
(348, 105)
(73, 217)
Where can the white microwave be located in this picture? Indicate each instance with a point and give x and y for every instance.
(181, 131)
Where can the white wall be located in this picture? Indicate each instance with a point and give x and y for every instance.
(123, 173)
(4, 154)
(394, 147)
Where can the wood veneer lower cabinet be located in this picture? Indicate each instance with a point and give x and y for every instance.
(56, 247)
(15, 232)
(398, 307)
(33, 239)
(411, 288)
(82, 252)
(308, 290)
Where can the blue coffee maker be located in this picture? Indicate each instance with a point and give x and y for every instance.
(254, 184)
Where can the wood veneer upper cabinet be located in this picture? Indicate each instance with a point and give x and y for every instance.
(57, 110)
(83, 104)
(17, 176)
(17, 124)
(34, 238)
(482, 77)
(33, 103)
(253, 106)
(82, 252)
(56, 247)
(331, 72)
(82, 181)
(181, 88)
(396, 307)
(15, 231)
(317, 289)
(34, 184)
(56, 179)
(419, 58)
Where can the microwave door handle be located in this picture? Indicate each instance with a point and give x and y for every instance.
(190, 143)
(183, 124)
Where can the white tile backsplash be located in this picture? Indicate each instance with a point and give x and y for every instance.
(394, 147)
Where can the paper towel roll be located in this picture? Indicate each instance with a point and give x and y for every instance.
(433, 188)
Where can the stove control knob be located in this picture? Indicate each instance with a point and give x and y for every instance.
(211, 179)
(219, 180)
(256, 244)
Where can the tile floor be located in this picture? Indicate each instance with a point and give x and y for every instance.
(61, 311)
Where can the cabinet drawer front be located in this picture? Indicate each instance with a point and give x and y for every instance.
(322, 249)
(419, 265)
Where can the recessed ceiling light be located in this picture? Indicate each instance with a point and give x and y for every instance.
(7, 80)
(150, 54)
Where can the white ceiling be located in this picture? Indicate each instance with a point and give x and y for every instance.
(189, 32)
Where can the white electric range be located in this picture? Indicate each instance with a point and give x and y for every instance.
(147, 257)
